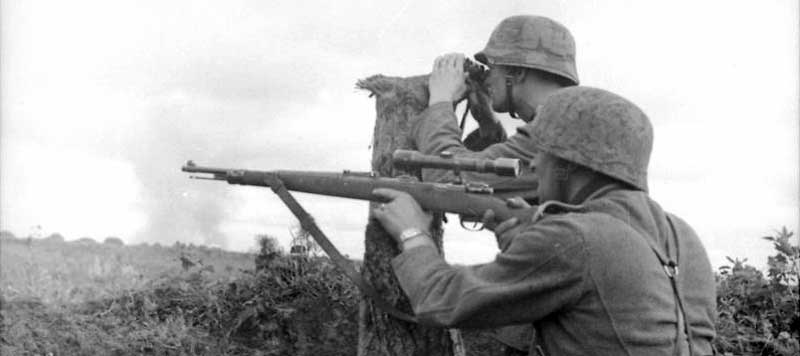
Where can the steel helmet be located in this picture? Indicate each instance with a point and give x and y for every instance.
(596, 129)
(532, 42)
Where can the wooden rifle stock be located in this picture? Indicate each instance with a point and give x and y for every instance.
(469, 200)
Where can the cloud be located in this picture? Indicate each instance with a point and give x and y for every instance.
(138, 87)
(66, 191)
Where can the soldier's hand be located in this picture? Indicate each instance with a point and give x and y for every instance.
(400, 212)
(447, 81)
(506, 230)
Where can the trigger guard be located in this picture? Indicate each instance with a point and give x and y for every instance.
(461, 221)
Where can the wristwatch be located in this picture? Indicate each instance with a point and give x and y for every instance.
(411, 233)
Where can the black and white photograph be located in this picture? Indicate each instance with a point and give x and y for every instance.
(403, 177)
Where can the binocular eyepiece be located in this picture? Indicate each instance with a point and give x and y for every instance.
(476, 71)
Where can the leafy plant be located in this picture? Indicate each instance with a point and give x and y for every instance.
(758, 315)
(67, 298)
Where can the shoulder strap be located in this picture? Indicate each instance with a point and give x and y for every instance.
(308, 224)
(671, 269)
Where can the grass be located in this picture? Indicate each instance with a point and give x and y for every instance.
(87, 298)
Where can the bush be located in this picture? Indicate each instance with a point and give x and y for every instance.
(54, 238)
(296, 306)
(290, 305)
(114, 241)
(87, 241)
(758, 315)
(287, 305)
(269, 250)
(7, 235)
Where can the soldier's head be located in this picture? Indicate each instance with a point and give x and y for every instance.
(528, 58)
(592, 133)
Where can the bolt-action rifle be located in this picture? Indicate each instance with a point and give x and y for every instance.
(470, 200)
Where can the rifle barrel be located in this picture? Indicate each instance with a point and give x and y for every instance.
(444, 197)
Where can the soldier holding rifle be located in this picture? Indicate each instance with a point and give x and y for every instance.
(600, 268)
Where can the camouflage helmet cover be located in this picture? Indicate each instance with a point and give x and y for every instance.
(596, 129)
(532, 42)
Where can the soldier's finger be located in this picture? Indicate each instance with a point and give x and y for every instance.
(437, 63)
(517, 202)
(445, 62)
(387, 194)
(457, 61)
(488, 219)
(378, 213)
(504, 226)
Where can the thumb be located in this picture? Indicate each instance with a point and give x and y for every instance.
(517, 202)
(386, 194)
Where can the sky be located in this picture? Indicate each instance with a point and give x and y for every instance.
(101, 103)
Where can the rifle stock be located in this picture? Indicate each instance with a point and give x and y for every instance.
(470, 201)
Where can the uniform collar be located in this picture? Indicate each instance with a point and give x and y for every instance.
(594, 190)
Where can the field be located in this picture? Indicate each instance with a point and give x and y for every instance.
(89, 298)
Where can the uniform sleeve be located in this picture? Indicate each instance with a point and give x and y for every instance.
(541, 271)
(436, 130)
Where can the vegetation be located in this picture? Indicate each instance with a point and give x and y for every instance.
(79, 298)
(759, 315)
(86, 298)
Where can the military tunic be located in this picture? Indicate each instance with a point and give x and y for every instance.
(588, 280)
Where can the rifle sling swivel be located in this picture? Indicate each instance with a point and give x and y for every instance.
(308, 224)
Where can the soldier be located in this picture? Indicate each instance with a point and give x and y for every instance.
(529, 57)
(600, 268)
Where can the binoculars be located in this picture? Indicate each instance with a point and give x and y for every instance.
(476, 71)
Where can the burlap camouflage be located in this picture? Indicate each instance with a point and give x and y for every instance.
(532, 42)
(597, 129)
